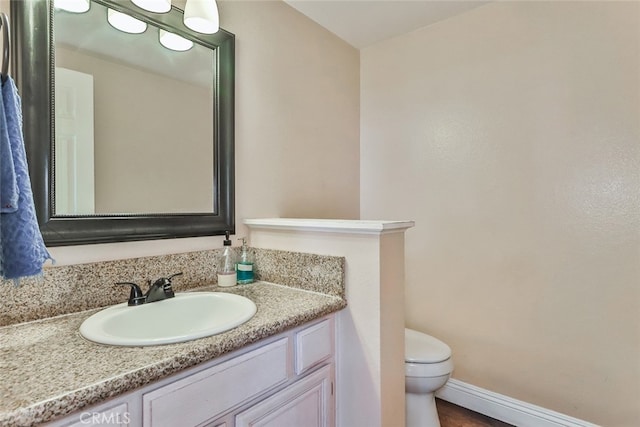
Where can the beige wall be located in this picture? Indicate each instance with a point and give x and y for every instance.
(297, 114)
(297, 126)
(510, 134)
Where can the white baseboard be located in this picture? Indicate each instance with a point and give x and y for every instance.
(503, 408)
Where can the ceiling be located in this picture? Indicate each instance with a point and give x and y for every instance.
(362, 23)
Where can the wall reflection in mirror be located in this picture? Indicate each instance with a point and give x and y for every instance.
(134, 120)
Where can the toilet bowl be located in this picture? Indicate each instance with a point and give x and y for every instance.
(427, 368)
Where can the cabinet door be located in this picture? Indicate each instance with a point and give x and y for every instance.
(307, 402)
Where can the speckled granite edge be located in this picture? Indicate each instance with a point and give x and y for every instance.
(319, 273)
(74, 288)
(69, 373)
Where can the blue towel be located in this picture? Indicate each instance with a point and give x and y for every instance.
(23, 250)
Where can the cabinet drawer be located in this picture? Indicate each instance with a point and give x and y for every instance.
(209, 393)
(313, 345)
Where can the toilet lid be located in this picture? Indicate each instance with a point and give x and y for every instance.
(423, 348)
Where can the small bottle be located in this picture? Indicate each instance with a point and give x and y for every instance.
(227, 265)
(245, 264)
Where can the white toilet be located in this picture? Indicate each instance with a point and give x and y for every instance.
(427, 367)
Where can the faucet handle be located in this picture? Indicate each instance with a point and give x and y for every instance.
(174, 275)
(135, 297)
(166, 284)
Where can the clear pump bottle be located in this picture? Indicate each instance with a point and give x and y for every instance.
(226, 265)
(245, 264)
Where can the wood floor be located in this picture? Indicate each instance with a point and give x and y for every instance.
(454, 416)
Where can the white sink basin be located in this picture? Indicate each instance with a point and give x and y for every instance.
(185, 317)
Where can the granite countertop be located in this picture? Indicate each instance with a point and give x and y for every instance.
(49, 370)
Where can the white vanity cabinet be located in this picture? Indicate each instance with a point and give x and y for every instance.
(284, 380)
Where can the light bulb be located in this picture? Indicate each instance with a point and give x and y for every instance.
(126, 23)
(75, 6)
(157, 6)
(202, 16)
(174, 41)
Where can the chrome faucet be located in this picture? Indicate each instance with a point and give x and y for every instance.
(159, 290)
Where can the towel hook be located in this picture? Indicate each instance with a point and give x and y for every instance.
(4, 22)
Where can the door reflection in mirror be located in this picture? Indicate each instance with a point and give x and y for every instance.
(74, 159)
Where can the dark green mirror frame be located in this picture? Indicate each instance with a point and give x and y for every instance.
(32, 58)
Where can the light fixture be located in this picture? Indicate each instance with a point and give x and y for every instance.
(75, 6)
(174, 41)
(157, 6)
(126, 23)
(202, 16)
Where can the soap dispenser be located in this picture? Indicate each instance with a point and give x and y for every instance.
(226, 265)
(245, 264)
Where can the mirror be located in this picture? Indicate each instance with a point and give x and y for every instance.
(130, 113)
(162, 169)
